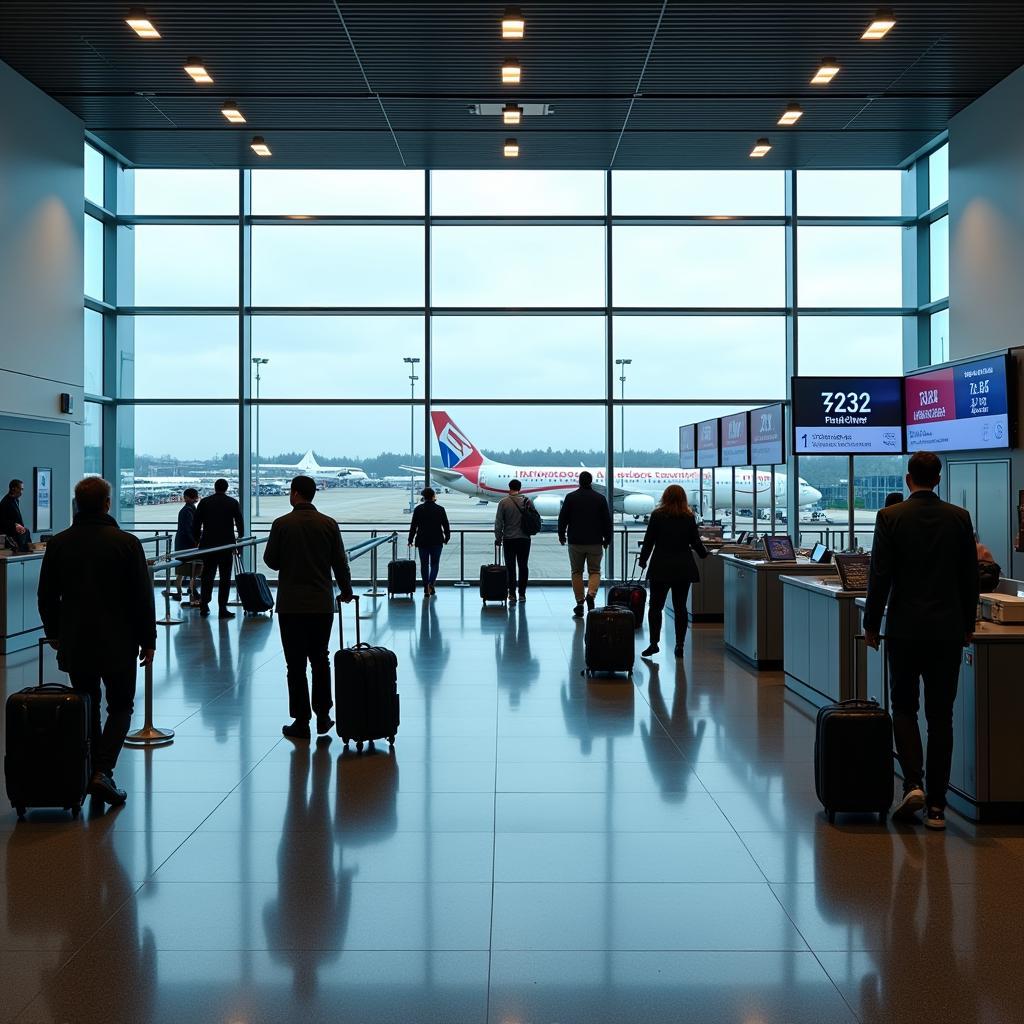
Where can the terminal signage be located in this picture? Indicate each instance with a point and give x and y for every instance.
(735, 440)
(848, 415)
(688, 447)
(766, 436)
(708, 444)
(959, 408)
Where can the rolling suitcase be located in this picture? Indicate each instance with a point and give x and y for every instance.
(609, 644)
(632, 595)
(47, 761)
(494, 580)
(253, 590)
(365, 689)
(402, 576)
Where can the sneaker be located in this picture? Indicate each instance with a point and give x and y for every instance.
(651, 649)
(323, 724)
(590, 602)
(296, 731)
(578, 611)
(912, 802)
(936, 818)
(103, 787)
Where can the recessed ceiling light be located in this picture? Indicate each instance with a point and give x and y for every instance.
(259, 146)
(511, 113)
(513, 24)
(827, 70)
(511, 72)
(232, 113)
(139, 22)
(196, 70)
(792, 114)
(511, 147)
(880, 24)
(760, 147)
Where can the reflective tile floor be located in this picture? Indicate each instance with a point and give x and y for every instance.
(537, 849)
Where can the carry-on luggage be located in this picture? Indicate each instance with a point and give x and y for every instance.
(47, 761)
(632, 595)
(366, 704)
(853, 768)
(609, 644)
(494, 580)
(402, 577)
(253, 590)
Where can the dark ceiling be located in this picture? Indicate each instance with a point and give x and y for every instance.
(634, 84)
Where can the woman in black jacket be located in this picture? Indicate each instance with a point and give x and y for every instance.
(429, 530)
(669, 544)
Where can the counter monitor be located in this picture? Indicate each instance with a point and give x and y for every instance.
(779, 548)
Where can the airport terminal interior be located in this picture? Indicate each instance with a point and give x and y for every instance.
(763, 251)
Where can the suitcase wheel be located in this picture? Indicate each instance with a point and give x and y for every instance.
(831, 817)
(21, 812)
(391, 741)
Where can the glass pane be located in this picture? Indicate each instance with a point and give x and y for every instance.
(939, 335)
(724, 356)
(336, 356)
(518, 356)
(93, 378)
(938, 259)
(512, 193)
(848, 344)
(938, 176)
(93, 258)
(93, 439)
(849, 193)
(518, 266)
(182, 356)
(850, 266)
(326, 193)
(698, 193)
(329, 265)
(186, 265)
(199, 193)
(699, 266)
(93, 175)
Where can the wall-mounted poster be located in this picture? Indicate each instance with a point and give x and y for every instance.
(42, 503)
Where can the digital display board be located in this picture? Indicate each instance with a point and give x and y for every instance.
(707, 444)
(848, 415)
(960, 407)
(688, 447)
(736, 440)
(767, 430)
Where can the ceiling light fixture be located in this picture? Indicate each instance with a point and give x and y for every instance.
(259, 146)
(760, 148)
(880, 24)
(196, 70)
(511, 72)
(827, 70)
(139, 22)
(513, 24)
(511, 147)
(511, 113)
(792, 114)
(230, 110)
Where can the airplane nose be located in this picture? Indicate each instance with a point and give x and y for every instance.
(812, 493)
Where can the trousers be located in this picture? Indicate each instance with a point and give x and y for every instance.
(430, 563)
(106, 742)
(219, 564)
(305, 639)
(680, 590)
(517, 561)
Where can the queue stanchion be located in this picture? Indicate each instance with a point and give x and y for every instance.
(462, 560)
(373, 591)
(149, 735)
(168, 619)
(236, 565)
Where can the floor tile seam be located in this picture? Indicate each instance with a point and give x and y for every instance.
(494, 854)
(67, 958)
(835, 984)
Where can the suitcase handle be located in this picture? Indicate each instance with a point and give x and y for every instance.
(341, 621)
(43, 642)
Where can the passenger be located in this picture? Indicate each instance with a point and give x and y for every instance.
(12, 525)
(305, 548)
(184, 539)
(216, 518)
(893, 498)
(96, 603)
(669, 543)
(586, 522)
(989, 570)
(515, 542)
(924, 565)
(429, 531)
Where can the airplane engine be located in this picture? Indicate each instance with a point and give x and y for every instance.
(638, 504)
(548, 505)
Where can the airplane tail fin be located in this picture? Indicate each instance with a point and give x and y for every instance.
(457, 451)
(308, 463)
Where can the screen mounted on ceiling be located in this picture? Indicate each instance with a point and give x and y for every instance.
(708, 444)
(848, 415)
(688, 446)
(767, 431)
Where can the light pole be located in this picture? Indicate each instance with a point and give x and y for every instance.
(412, 361)
(622, 364)
(258, 361)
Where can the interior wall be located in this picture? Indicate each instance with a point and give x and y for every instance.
(26, 444)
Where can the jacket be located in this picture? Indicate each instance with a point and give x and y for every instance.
(924, 565)
(216, 519)
(429, 526)
(10, 515)
(96, 596)
(305, 548)
(585, 518)
(508, 520)
(185, 537)
(668, 547)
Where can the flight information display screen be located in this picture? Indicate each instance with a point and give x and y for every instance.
(707, 444)
(735, 440)
(767, 431)
(688, 447)
(848, 415)
(959, 408)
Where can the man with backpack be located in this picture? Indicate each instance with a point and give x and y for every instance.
(517, 520)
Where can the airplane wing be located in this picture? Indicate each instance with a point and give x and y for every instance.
(441, 474)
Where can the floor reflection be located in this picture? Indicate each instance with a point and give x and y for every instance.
(516, 665)
(672, 773)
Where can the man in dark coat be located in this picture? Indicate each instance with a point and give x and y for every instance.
(586, 522)
(217, 517)
(96, 603)
(12, 524)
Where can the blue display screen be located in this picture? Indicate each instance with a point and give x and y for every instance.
(848, 415)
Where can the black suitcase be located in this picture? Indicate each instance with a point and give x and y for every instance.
(402, 576)
(254, 593)
(47, 761)
(853, 768)
(631, 595)
(494, 580)
(609, 644)
(366, 703)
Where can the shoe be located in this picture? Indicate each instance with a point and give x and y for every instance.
(225, 613)
(935, 818)
(578, 611)
(651, 649)
(522, 596)
(680, 650)
(102, 787)
(204, 610)
(512, 597)
(323, 724)
(296, 731)
(912, 802)
(590, 602)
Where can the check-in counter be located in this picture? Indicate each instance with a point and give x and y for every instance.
(820, 621)
(706, 601)
(19, 610)
(753, 605)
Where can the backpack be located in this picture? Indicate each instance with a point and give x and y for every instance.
(531, 521)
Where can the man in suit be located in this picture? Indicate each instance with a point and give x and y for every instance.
(217, 517)
(924, 566)
(96, 603)
(305, 548)
(12, 524)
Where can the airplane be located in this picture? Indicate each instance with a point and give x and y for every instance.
(310, 467)
(467, 470)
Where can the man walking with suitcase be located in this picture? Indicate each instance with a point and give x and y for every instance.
(586, 522)
(217, 517)
(305, 548)
(512, 532)
(96, 603)
(924, 565)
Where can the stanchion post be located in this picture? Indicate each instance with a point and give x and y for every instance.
(168, 619)
(462, 560)
(149, 735)
(373, 591)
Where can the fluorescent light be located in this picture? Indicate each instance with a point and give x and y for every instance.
(140, 23)
(513, 24)
(511, 147)
(792, 114)
(880, 24)
(828, 70)
(511, 113)
(259, 146)
(511, 72)
(760, 148)
(232, 113)
(196, 70)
